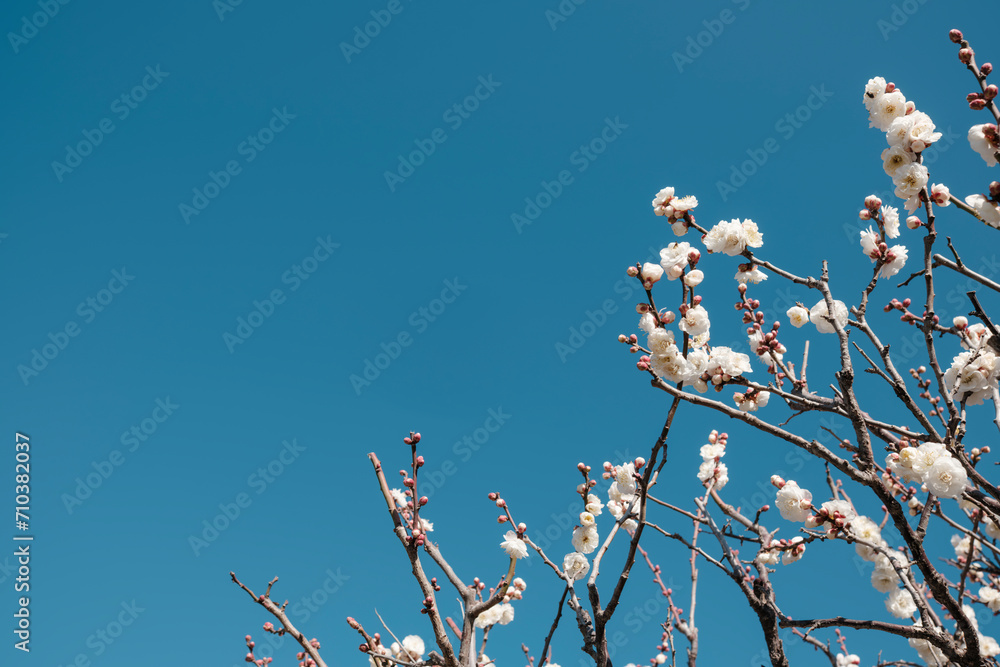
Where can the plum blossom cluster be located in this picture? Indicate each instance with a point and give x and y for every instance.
(873, 245)
(622, 494)
(930, 465)
(677, 210)
(908, 132)
(972, 377)
(503, 613)
(712, 473)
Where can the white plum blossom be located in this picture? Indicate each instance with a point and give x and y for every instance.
(651, 272)
(894, 158)
(887, 108)
(413, 645)
(818, 315)
(900, 603)
(874, 89)
(940, 194)
(575, 565)
(733, 237)
(869, 243)
(647, 323)
(789, 556)
(695, 321)
(988, 646)
(674, 259)
(398, 497)
(725, 362)
(946, 478)
(694, 277)
(751, 402)
(910, 180)
(868, 531)
(661, 341)
(973, 375)
(709, 470)
(594, 504)
(671, 366)
(798, 316)
(625, 479)
(990, 597)
(587, 519)
(895, 260)
(841, 507)
(884, 577)
(848, 660)
(985, 209)
(981, 144)
(751, 275)
(585, 539)
(891, 221)
(514, 545)
(660, 202)
(795, 504)
(961, 546)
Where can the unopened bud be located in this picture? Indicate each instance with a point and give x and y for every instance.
(985, 68)
(965, 55)
(955, 35)
(990, 92)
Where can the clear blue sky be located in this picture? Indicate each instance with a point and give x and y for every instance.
(200, 226)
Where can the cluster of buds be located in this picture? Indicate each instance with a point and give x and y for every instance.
(428, 605)
(838, 520)
(871, 209)
(303, 657)
(412, 439)
(714, 438)
(907, 316)
(250, 656)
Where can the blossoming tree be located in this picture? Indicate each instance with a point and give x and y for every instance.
(916, 471)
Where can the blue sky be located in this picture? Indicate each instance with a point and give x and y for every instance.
(216, 214)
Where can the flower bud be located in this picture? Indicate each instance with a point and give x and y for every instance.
(865, 214)
(995, 189)
(985, 68)
(955, 35)
(977, 105)
(913, 222)
(965, 55)
(694, 278)
(873, 203)
(960, 322)
(990, 92)
(632, 272)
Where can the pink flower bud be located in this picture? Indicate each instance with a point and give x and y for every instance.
(995, 189)
(913, 222)
(521, 527)
(622, 338)
(632, 272)
(965, 55)
(985, 68)
(424, 500)
(990, 92)
(639, 462)
(865, 214)
(667, 317)
(248, 638)
(501, 519)
(249, 657)
(977, 105)
(955, 35)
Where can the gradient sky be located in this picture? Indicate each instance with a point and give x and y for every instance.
(199, 224)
